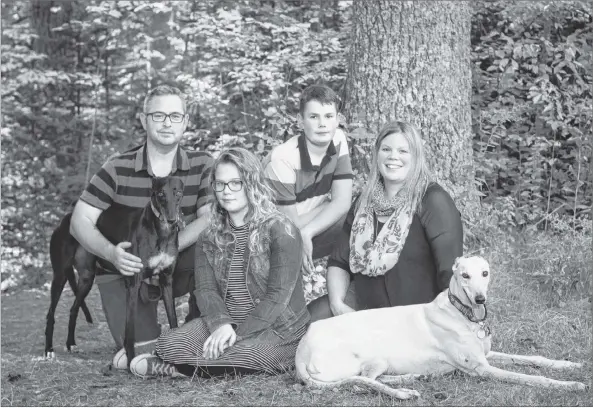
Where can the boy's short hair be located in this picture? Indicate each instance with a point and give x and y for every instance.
(320, 93)
(164, 90)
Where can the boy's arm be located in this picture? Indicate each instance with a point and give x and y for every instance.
(341, 192)
(330, 212)
(300, 220)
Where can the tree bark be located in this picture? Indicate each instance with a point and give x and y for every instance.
(410, 61)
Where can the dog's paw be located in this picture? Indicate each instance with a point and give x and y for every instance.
(405, 393)
(50, 355)
(570, 365)
(73, 349)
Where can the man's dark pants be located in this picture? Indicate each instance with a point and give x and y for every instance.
(113, 297)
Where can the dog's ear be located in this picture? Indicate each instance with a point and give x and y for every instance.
(456, 264)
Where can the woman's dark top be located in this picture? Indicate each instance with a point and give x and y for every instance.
(424, 268)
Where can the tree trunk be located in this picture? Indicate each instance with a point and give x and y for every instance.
(410, 61)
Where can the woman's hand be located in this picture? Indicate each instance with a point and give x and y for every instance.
(339, 308)
(221, 339)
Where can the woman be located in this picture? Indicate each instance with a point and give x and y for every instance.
(248, 284)
(400, 237)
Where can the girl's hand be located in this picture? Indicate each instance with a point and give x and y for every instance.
(221, 339)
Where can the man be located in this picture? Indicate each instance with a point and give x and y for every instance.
(305, 168)
(125, 182)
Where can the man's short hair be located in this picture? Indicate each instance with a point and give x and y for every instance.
(164, 90)
(320, 93)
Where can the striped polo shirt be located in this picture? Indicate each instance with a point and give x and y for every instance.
(297, 181)
(126, 180)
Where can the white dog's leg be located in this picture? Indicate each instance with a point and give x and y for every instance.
(373, 368)
(399, 393)
(533, 380)
(399, 379)
(503, 358)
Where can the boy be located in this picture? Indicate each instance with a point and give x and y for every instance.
(305, 168)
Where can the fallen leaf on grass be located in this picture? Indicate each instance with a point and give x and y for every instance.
(440, 396)
(529, 342)
(103, 385)
(14, 377)
(107, 370)
(80, 395)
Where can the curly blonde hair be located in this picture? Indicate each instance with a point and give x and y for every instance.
(261, 207)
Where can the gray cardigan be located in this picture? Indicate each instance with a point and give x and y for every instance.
(274, 282)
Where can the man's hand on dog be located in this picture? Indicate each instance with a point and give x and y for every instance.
(126, 263)
(221, 339)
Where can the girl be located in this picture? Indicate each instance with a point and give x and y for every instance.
(248, 284)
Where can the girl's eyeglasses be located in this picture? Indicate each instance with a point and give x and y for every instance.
(234, 185)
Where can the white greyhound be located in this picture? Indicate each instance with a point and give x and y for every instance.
(408, 342)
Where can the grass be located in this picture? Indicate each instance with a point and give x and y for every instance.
(525, 316)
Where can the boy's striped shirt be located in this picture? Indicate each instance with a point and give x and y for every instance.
(125, 179)
(297, 181)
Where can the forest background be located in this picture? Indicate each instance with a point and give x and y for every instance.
(74, 75)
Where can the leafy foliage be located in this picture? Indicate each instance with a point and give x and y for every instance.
(532, 107)
(74, 74)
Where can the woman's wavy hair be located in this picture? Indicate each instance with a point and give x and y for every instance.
(261, 207)
(419, 175)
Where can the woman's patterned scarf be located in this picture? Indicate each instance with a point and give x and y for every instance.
(376, 258)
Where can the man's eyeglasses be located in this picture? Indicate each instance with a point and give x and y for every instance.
(175, 117)
(234, 185)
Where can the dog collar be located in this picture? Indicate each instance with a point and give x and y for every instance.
(466, 310)
(178, 221)
(154, 210)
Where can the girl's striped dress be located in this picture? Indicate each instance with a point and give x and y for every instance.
(265, 352)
